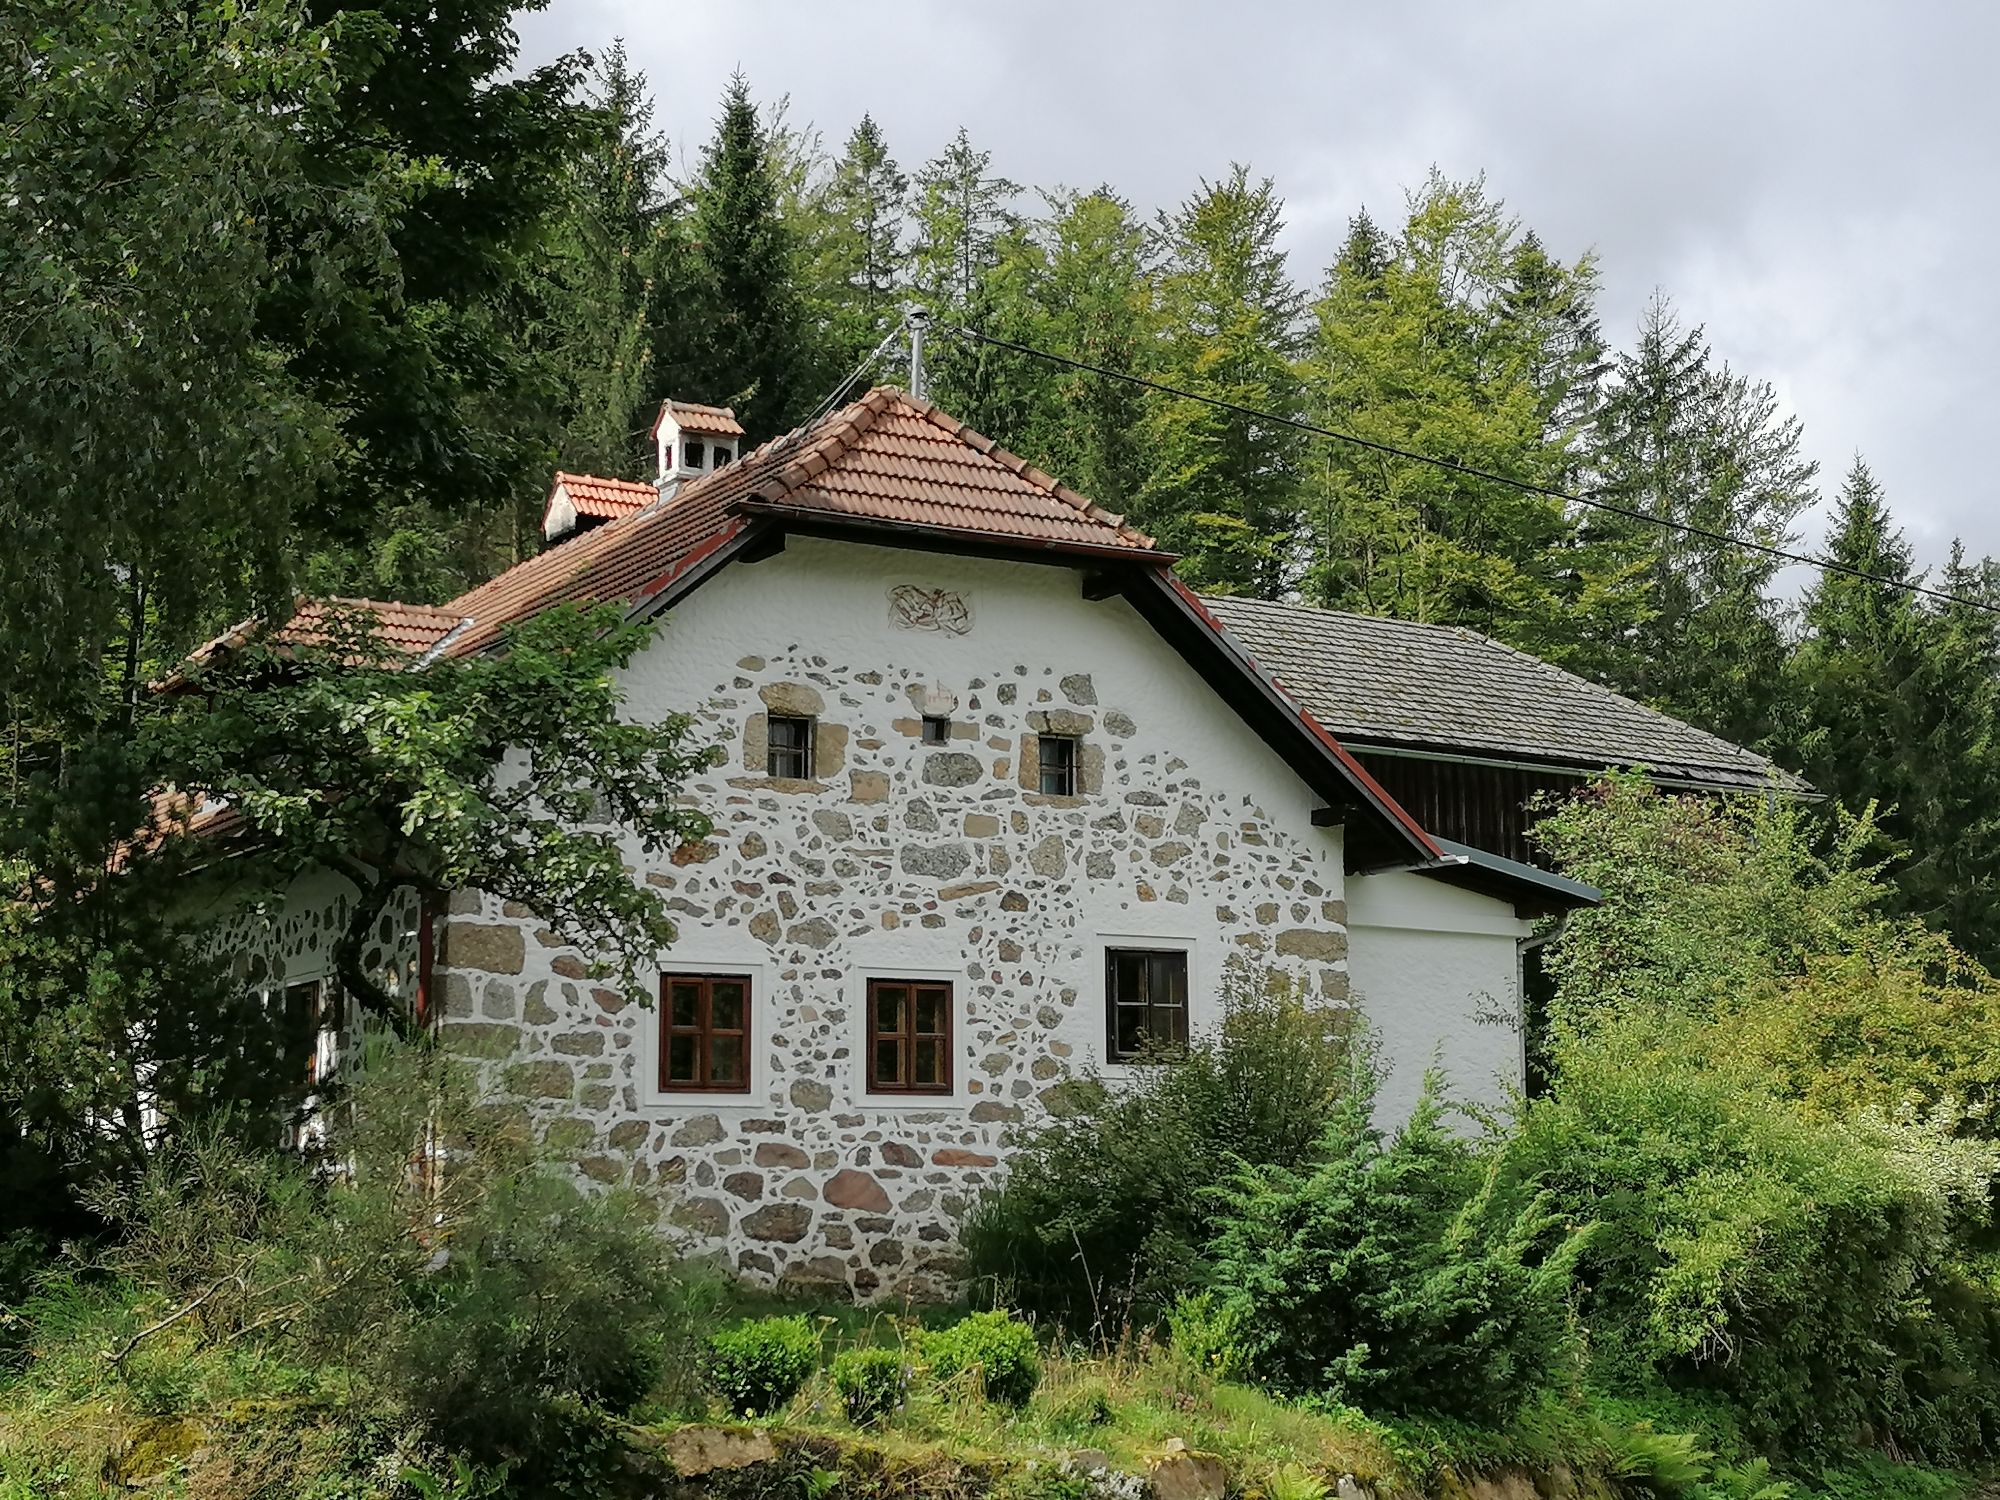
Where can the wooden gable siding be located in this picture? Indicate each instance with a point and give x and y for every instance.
(1477, 803)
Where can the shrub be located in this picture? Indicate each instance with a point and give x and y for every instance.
(1811, 1272)
(759, 1365)
(1401, 1274)
(486, 1298)
(1102, 1218)
(871, 1383)
(999, 1346)
(1207, 1332)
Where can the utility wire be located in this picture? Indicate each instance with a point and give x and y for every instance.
(1592, 499)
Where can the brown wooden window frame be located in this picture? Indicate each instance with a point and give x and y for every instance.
(705, 1034)
(804, 749)
(907, 1038)
(1115, 1001)
(1067, 768)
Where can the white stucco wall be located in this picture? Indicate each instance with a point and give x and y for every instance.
(1435, 969)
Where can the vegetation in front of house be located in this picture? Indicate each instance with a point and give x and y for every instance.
(1678, 1273)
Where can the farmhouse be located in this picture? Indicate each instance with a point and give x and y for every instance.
(1000, 799)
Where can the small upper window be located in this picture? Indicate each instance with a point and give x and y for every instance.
(705, 1033)
(1059, 757)
(723, 455)
(937, 729)
(1146, 997)
(789, 742)
(690, 455)
(909, 1037)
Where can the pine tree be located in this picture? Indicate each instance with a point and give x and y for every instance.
(1223, 487)
(1681, 438)
(729, 331)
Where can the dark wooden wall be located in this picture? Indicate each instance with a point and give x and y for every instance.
(1481, 805)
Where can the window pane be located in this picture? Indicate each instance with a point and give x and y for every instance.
(725, 1005)
(933, 1012)
(888, 1063)
(930, 1069)
(680, 1059)
(1130, 1021)
(725, 1060)
(691, 455)
(685, 1003)
(1128, 977)
(789, 741)
(889, 1003)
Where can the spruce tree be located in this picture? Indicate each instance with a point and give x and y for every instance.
(1681, 438)
(1893, 701)
(599, 293)
(963, 213)
(729, 330)
(857, 268)
(1459, 337)
(1222, 490)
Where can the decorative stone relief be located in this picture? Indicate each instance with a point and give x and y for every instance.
(914, 607)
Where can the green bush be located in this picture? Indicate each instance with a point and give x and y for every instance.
(1207, 1332)
(1402, 1274)
(999, 1346)
(491, 1302)
(871, 1383)
(1812, 1273)
(759, 1365)
(1102, 1220)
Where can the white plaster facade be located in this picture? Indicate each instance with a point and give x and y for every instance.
(898, 859)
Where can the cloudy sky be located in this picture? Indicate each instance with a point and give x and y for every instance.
(1818, 182)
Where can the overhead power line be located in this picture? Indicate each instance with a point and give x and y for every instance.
(1593, 500)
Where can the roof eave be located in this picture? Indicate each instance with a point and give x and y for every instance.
(817, 518)
(1533, 892)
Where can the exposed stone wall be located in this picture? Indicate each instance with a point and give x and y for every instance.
(270, 942)
(896, 859)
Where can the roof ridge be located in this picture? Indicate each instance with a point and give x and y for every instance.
(1014, 463)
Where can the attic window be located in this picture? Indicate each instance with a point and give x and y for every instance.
(937, 729)
(1059, 759)
(690, 455)
(723, 455)
(789, 747)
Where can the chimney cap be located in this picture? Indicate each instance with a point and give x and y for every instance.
(702, 421)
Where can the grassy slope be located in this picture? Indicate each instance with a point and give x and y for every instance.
(237, 1423)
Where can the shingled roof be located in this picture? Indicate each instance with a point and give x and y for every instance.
(884, 461)
(1393, 683)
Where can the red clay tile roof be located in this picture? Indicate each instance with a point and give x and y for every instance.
(602, 499)
(703, 421)
(409, 628)
(882, 460)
